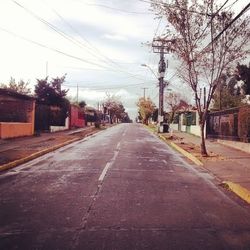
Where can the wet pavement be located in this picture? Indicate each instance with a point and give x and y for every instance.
(122, 188)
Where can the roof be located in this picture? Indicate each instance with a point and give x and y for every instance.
(13, 93)
(90, 109)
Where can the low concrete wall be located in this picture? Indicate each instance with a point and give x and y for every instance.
(15, 129)
(60, 128)
(236, 144)
(183, 128)
(174, 126)
(195, 130)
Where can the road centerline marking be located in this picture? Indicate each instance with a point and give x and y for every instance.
(110, 163)
(104, 171)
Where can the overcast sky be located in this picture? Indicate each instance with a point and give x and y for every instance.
(99, 44)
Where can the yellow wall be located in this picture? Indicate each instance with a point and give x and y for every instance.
(15, 129)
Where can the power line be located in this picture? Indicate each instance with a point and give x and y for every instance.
(231, 5)
(66, 36)
(117, 9)
(111, 62)
(161, 4)
(59, 51)
(91, 47)
(212, 17)
(103, 88)
(50, 48)
(63, 34)
(53, 27)
(227, 26)
(60, 32)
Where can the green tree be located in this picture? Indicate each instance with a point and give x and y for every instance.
(50, 93)
(229, 93)
(82, 104)
(224, 99)
(20, 87)
(243, 73)
(146, 109)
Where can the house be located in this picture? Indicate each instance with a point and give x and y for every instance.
(17, 114)
(187, 120)
(90, 115)
(77, 119)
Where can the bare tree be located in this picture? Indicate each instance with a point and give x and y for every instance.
(208, 40)
(175, 102)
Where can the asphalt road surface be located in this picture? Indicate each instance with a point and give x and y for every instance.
(122, 188)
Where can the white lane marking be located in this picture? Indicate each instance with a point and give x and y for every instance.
(118, 145)
(109, 164)
(104, 171)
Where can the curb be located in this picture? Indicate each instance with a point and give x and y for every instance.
(40, 153)
(182, 151)
(188, 155)
(35, 155)
(242, 192)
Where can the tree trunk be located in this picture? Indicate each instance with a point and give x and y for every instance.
(203, 142)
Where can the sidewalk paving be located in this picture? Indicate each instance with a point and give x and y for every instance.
(16, 151)
(230, 166)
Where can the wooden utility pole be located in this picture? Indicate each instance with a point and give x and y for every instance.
(77, 92)
(161, 46)
(47, 69)
(144, 93)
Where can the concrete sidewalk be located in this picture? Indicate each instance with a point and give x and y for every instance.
(230, 166)
(16, 151)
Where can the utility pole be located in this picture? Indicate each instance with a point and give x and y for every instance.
(161, 46)
(47, 68)
(144, 93)
(77, 92)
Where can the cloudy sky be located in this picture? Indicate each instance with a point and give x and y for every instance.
(99, 44)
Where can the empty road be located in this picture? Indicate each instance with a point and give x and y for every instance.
(122, 188)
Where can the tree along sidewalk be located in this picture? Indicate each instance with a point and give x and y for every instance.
(225, 163)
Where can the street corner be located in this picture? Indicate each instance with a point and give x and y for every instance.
(237, 189)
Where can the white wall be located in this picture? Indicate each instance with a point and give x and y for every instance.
(183, 128)
(195, 130)
(174, 126)
(60, 128)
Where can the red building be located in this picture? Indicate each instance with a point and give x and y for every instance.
(76, 117)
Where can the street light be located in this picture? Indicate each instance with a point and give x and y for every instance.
(145, 65)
